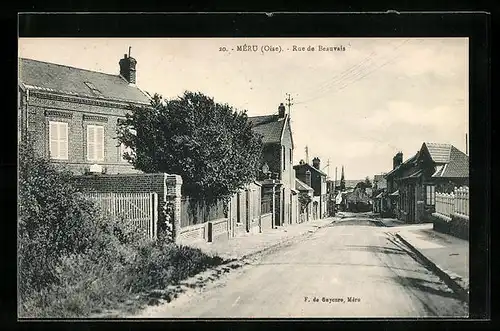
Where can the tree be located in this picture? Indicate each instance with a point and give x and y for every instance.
(304, 200)
(211, 145)
(368, 183)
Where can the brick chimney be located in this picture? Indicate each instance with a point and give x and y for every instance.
(397, 160)
(127, 68)
(316, 163)
(281, 110)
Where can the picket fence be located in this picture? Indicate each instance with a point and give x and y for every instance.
(456, 202)
(140, 209)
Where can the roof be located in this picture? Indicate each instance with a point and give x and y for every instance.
(456, 167)
(58, 78)
(415, 174)
(301, 186)
(395, 193)
(270, 127)
(440, 153)
(310, 167)
(405, 163)
(380, 195)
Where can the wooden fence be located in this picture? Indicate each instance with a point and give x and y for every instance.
(456, 202)
(194, 211)
(141, 209)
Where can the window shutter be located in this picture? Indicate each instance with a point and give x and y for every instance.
(90, 143)
(53, 140)
(99, 143)
(63, 141)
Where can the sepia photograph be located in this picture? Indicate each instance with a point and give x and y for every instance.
(172, 178)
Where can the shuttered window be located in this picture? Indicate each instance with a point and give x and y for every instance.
(95, 143)
(58, 140)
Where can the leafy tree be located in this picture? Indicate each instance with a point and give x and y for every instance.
(211, 145)
(304, 200)
(368, 183)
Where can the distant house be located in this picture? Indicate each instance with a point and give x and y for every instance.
(413, 183)
(277, 173)
(314, 177)
(358, 200)
(70, 115)
(381, 201)
(305, 210)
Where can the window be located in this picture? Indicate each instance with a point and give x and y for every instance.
(430, 194)
(58, 140)
(284, 157)
(291, 156)
(95, 143)
(93, 88)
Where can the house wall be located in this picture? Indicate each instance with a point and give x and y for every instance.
(42, 108)
(279, 158)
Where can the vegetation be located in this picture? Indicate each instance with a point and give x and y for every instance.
(73, 262)
(211, 145)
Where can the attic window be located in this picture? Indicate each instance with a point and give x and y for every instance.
(93, 88)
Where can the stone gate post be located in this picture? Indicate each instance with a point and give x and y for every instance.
(172, 199)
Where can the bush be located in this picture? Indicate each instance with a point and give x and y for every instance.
(53, 221)
(73, 261)
(161, 264)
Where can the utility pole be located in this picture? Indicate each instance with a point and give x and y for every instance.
(289, 103)
(307, 155)
(335, 187)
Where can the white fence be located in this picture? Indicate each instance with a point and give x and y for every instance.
(141, 209)
(456, 202)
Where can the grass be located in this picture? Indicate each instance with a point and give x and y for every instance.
(88, 287)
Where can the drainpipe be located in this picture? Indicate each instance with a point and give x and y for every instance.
(273, 218)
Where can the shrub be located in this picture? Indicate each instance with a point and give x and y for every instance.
(161, 264)
(53, 220)
(83, 285)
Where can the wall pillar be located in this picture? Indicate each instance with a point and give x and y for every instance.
(172, 199)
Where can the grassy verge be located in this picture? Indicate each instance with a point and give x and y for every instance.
(88, 286)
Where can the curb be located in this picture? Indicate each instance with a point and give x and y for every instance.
(281, 243)
(447, 278)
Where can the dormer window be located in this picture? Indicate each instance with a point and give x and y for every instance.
(93, 88)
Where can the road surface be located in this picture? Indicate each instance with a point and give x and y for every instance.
(351, 268)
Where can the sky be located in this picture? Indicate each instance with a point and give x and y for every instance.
(356, 105)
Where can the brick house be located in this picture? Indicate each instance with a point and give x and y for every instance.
(314, 177)
(70, 115)
(277, 176)
(414, 183)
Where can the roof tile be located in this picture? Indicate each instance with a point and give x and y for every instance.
(75, 81)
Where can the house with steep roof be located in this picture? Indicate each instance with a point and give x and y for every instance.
(70, 115)
(413, 183)
(277, 176)
(313, 176)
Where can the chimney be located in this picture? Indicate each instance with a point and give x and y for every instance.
(397, 160)
(127, 68)
(281, 110)
(301, 162)
(308, 177)
(316, 163)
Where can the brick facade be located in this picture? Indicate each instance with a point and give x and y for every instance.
(40, 108)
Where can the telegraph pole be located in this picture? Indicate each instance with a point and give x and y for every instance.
(289, 103)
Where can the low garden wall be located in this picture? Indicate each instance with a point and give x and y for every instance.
(457, 225)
